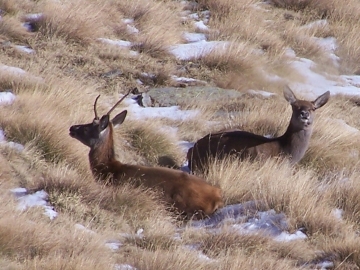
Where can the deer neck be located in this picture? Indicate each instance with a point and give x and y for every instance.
(295, 142)
(102, 153)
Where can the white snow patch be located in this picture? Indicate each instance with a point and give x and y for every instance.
(342, 124)
(329, 45)
(338, 213)
(132, 29)
(124, 267)
(196, 49)
(287, 237)
(25, 49)
(325, 265)
(193, 37)
(12, 70)
(187, 80)
(140, 233)
(261, 93)
(185, 145)
(19, 192)
(113, 244)
(290, 53)
(185, 167)
(83, 229)
(31, 200)
(34, 16)
(133, 53)
(119, 42)
(200, 25)
(148, 75)
(173, 112)
(316, 84)
(17, 146)
(245, 219)
(15, 71)
(6, 98)
(352, 80)
(200, 254)
(317, 23)
(206, 16)
(27, 26)
(194, 16)
(128, 21)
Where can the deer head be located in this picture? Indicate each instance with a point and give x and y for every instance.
(303, 111)
(94, 133)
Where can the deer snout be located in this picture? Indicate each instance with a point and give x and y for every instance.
(305, 115)
(73, 130)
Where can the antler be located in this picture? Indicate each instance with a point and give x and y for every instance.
(117, 103)
(96, 115)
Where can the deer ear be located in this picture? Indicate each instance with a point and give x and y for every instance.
(119, 119)
(289, 95)
(104, 122)
(321, 100)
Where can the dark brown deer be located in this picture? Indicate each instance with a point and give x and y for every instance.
(293, 143)
(189, 194)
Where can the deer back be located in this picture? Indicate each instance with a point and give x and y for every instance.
(239, 143)
(188, 193)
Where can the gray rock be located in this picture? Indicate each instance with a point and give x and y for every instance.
(171, 96)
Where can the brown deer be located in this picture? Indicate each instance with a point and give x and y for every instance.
(189, 194)
(293, 143)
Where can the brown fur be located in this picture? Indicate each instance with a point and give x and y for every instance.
(293, 143)
(187, 193)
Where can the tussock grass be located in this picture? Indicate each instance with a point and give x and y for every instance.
(12, 29)
(133, 9)
(223, 8)
(154, 144)
(14, 6)
(38, 128)
(154, 241)
(27, 243)
(156, 39)
(228, 243)
(232, 57)
(14, 83)
(303, 45)
(334, 143)
(342, 190)
(256, 114)
(75, 26)
(160, 259)
(347, 50)
(242, 21)
(298, 5)
(342, 250)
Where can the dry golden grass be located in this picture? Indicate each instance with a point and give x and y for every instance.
(31, 244)
(13, 30)
(154, 144)
(70, 21)
(154, 25)
(66, 73)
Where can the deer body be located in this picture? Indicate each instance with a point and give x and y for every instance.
(293, 143)
(188, 193)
